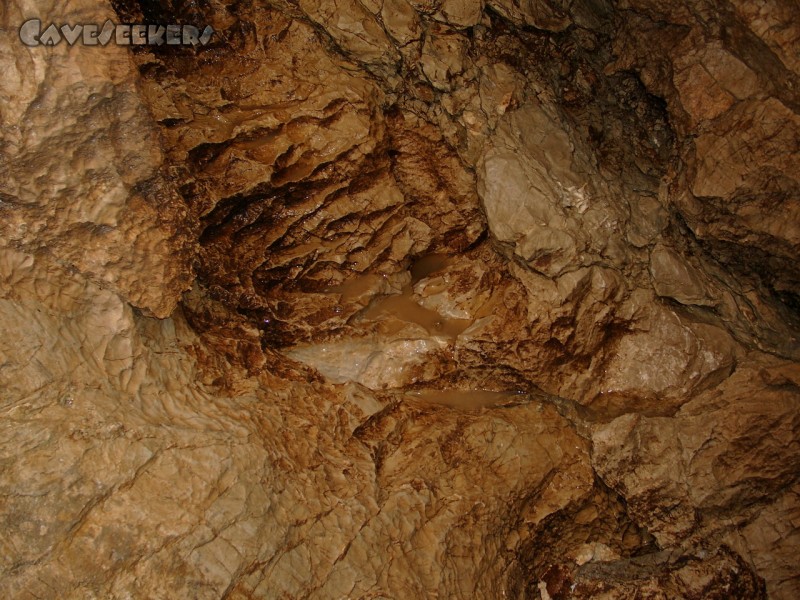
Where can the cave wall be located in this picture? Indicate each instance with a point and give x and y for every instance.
(228, 372)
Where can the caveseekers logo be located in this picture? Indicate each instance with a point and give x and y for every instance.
(31, 34)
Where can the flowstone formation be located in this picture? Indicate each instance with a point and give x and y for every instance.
(399, 299)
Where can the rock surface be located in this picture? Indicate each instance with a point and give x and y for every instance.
(396, 299)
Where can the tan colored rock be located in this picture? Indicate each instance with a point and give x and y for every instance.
(712, 84)
(543, 14)
(354, 28)
(442, 60)
(674, 278)
(774, 534)
(476, 313)
(66, 119)
(734, 436)
(648, 220)
(667, 362)
(501, 90)
(546, 198)
(462, 13)
(773, 22)
(532, 199)
(401, 21)
(734, 106)
(157, 458)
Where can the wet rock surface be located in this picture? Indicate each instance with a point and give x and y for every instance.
(402, 299)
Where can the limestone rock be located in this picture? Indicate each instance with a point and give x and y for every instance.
(354, 28)
(442, 60)
(674, 278)
(462, 13)
(542, 14)
(401, 21)
(402, 298)
(685, 452)
(729, 87)
(68, 121)
(537, 196)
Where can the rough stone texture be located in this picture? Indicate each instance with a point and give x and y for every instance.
(732, 93)
(398, 299)
(63, 115)
(127, 478)
(702, 474)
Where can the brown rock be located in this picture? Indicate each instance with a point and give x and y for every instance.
(82, 168)
(402, 299)
(674, 278)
